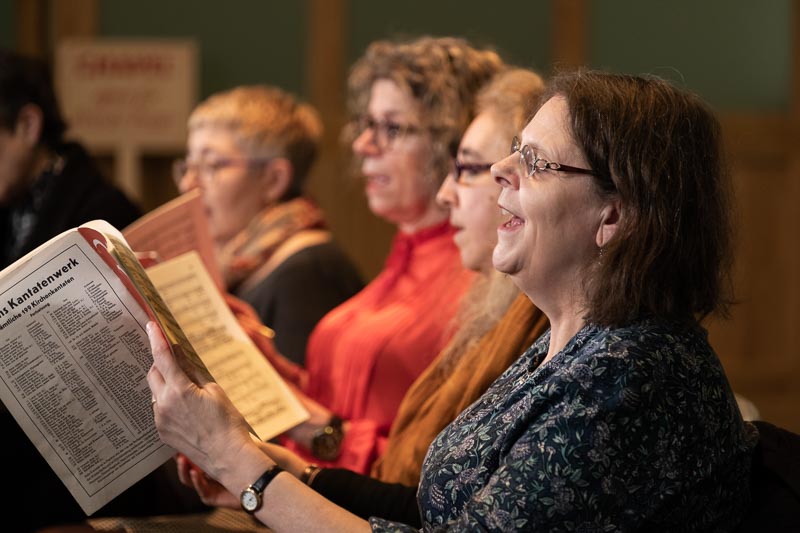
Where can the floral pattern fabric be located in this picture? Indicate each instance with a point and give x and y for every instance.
(625, 429)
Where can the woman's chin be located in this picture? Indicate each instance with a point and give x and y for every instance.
(503, 261)
(470, 261)
(381, 208)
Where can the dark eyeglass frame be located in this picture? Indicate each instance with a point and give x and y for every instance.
(532, 164)
(206, 170)
(475, 168)
(385, 131)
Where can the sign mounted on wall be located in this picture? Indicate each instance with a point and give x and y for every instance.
(128, 97)
(139, 92)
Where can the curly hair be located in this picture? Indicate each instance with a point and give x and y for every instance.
(265, 121)
(658, 149)
(442, 75)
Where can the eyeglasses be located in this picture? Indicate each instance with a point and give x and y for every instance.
(532, 163)
(205, 171)
(385, 131)
(470, 169)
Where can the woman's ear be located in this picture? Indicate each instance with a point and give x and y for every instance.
(610, 218)
(277, 178)
(29, 125)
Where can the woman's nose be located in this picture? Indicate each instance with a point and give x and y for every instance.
(506, 171)
(365, 144)
(188, 181)
(447, 196)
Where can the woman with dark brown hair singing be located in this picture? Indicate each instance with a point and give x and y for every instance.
(619, 418)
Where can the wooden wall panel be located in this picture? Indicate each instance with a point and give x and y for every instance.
(333, 182)
(759, 345)
(76, 18)
(570, 33)
(32, 27)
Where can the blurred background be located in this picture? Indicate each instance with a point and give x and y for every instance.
(743, 58)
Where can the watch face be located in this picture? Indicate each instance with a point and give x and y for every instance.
(249, 500)
(326, 447)
(327, 442)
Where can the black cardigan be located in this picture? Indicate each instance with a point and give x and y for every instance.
(366, 497)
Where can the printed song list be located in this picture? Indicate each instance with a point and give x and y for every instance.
(73, 368)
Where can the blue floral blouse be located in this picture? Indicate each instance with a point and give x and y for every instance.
(625, 429)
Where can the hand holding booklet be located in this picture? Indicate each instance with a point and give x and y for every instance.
(74, 355)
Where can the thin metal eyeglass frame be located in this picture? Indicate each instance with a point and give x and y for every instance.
(180, 167)
(531, 163)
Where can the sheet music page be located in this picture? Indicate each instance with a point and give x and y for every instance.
(177, 227)
(236, 364)
(74, 356)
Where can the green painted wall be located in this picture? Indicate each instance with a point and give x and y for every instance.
(735, 53)
(240, 41)
(8, 17)
(514, 29)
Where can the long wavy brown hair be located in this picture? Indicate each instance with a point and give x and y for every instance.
(657, 148)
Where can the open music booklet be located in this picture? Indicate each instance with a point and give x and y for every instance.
(74, 356)
(177, 227)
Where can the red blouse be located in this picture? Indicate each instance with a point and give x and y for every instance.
(364, 355)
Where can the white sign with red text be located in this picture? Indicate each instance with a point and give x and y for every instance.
(127, 92)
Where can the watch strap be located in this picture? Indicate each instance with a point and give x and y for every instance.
(250, 498)
(336, 422)
(261, 483)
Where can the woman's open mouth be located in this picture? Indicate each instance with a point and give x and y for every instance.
(511, 220)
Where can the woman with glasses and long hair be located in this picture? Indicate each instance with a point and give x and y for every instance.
(250, 150)
(411, 102)
(620, 417)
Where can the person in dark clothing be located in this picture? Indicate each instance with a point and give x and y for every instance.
(47, 186)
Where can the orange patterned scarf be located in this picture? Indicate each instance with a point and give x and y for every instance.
(255, 244)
